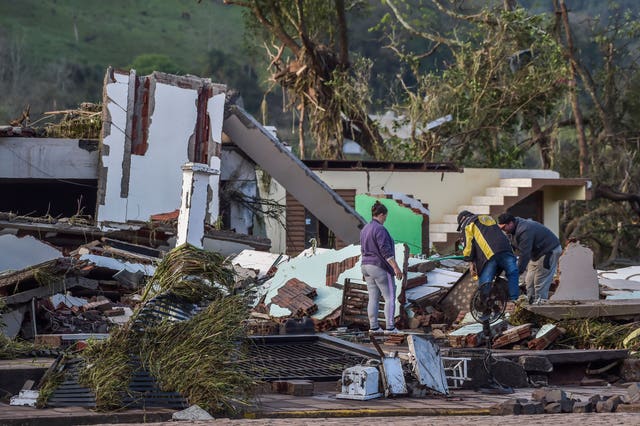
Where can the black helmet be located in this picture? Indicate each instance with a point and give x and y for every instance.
(462, 216)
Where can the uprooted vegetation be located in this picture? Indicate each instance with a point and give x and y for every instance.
(586, 333)
(196, 357)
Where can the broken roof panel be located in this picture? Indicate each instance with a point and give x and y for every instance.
(118, 265)
(21, 252)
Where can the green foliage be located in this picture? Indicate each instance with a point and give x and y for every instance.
(240, 78)
(55, 53)
(507, 74)
(147, 63)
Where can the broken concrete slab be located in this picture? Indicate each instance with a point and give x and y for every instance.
(63, 284)
(439, 280)
(192, 413)
(621, 309)
(119, 265)
(21, 252)
(12, 321)
(578, 277)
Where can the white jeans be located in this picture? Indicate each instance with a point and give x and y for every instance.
(379, 281)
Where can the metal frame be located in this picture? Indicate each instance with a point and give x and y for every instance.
(457, 367)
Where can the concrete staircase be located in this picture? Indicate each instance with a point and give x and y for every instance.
(494, 201)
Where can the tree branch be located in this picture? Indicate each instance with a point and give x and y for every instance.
(433, 37)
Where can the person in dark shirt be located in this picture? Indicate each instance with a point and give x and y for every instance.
(379, 267)
(488, 250)
(538, 252)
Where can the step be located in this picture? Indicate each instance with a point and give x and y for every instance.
(517, 182)
(487, 200)
(476, 209)
(437, 237)
(443, 227)
(450, 218)
(504, 191)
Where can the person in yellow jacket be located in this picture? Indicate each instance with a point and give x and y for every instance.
(488, 249)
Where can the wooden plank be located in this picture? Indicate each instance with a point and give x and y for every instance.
(51, 289)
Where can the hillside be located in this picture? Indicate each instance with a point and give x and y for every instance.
(96, 32)
(54, 53)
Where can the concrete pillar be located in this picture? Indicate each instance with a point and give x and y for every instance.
(193, 209)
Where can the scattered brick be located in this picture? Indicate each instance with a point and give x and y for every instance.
(512, 335)
(547, 338)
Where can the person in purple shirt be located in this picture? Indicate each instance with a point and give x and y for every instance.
(379, 267)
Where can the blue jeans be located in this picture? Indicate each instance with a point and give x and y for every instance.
(506, 262)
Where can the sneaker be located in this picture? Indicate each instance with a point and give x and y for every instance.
(392, 331)
(375, 330)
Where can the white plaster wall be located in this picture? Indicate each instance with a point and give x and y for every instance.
(442, 191)
(114, 207)
(193, 208)
(46, 158)
(156, 177)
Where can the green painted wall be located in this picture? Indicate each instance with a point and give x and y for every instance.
(404, 225)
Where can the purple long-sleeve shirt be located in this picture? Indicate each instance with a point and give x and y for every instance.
(376, 245)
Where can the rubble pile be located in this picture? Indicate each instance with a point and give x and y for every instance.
(188, 347)
(556, 401)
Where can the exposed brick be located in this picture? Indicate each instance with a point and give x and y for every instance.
(300, 387)
(48, 340)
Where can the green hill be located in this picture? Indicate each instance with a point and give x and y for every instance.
(96, 32)
(54, 53)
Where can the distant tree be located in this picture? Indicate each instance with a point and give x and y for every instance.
(147, 63)
(241, 80)
(608, 89)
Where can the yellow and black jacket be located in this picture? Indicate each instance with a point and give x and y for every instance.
(482, 239)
